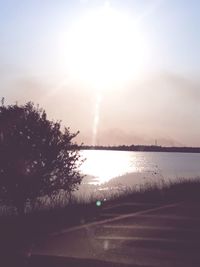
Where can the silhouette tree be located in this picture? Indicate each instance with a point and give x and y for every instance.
(37, 158)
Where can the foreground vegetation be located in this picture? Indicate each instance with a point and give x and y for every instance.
(38, 157)
(163, 193)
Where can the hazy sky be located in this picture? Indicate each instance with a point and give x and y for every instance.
(50, 49)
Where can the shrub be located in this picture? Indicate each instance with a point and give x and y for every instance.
(37, 158)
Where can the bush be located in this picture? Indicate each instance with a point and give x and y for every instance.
(37, 158)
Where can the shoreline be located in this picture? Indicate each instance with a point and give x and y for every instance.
(143, 148)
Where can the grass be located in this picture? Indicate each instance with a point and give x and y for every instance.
(162, 193)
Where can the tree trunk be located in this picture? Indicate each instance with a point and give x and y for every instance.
(21, 209)
(70, 198)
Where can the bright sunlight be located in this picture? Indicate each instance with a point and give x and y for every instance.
(106, 166)
(105, 47)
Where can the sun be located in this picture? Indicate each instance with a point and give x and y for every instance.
(104, 47)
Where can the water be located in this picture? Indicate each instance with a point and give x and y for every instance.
(108, 170)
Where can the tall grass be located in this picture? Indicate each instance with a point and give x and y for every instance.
(162, 192)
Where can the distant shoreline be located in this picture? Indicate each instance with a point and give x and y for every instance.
(144, 148)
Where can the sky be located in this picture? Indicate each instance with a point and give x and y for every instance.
(120, 71)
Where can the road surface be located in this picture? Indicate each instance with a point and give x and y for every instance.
(159, 236)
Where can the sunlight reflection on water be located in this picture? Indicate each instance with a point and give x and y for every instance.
(116, 170)
(107, 165)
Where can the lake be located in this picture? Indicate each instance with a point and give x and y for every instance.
(106, 170)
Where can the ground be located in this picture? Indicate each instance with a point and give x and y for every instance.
(132, 234)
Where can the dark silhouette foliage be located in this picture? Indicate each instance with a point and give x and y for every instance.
(37, 158)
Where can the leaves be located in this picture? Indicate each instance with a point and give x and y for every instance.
(36, 157)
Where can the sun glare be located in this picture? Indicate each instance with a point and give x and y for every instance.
(105, 166)
(104, 47)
